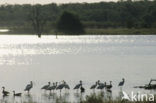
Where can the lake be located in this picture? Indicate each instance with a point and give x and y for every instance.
(74, 58)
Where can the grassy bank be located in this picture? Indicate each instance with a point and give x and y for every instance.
(114, 31)
(91, 31)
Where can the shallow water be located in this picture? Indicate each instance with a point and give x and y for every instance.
(74, 58)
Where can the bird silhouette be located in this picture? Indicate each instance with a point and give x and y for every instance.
(101, 85)
(122, 82)
(29, 87)
(46, 86)
(5, 93)
(78, 85)
(60, 86)
(109, 86)
(82, 89)
(16, 94)
(94, 86)
(66, 86)
(53, 87)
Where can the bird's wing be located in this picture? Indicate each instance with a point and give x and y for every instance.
(67, 86)
(45, 87)
(120, 83)
(77, 86)
(101, 86)
(6, 92)
(28, 86)
(93, 86)
(59, 86)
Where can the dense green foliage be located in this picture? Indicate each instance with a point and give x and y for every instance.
(123, 14)
(69, 23)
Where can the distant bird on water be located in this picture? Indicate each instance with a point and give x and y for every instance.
(78, 85)
(66, 86)
(122, 82)
(53, 87)
(94, 86)
(17, 94)
(46, 86)
(101, 85)
(60, 86)
(82, 89)
(5, 93)
(29, 87)
(109, 86)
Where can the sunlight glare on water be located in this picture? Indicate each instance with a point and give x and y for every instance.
(73, 58)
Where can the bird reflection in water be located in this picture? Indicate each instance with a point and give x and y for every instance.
(28, 98)
(109, 94)
(79, 96)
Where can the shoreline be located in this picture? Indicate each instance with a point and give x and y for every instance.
(93, 31)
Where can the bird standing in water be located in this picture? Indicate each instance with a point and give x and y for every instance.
(94, 86)
(109, 86)
(53, 87)
(46, 86)
(66, 86)
(5, 93)
(29, 87)
(78, 85)
(60, 86)
(82, 89)
(101, 85)
(122, 82)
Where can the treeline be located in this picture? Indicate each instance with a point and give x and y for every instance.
(123, 14)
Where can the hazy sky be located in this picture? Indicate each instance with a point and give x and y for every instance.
(45, 1)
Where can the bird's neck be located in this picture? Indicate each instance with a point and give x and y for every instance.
(3, 89)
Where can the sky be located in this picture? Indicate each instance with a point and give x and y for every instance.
(45, 1)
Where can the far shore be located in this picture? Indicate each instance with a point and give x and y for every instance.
(93, 31)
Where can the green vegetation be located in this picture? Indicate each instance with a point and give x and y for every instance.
(121, 31)
(122, 17)
(69, 24)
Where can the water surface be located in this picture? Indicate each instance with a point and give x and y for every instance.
(74, 58)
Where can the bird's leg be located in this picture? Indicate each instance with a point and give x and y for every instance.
(121, 89)
(94, 91)
(50, 92)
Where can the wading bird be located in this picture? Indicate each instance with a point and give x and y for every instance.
(46, 86)
(29, 87)
(53, 87)
(17, 94)
(122, 82)
(5, 93)
(101, 85)
(60, 86)
(82, 89)
(66, 86)
(94, 86)
(109, 86)
(78, 85)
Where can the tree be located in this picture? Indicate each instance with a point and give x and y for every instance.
(69, 23)
(38, 20)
